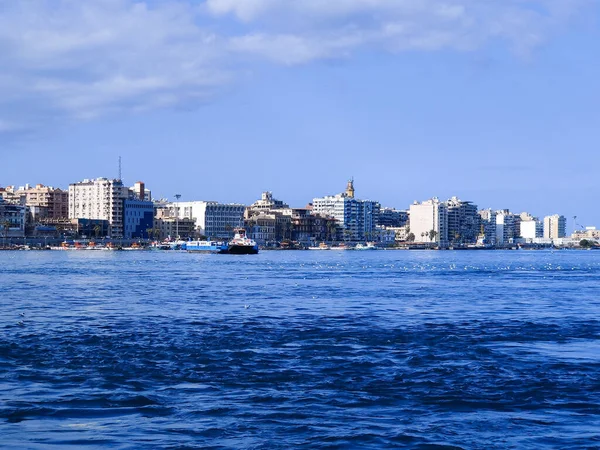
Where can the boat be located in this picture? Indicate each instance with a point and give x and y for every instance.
(206, 247)
(321, 246)
(160, 246)
(341, 247)
(367, 246)
(241, 244)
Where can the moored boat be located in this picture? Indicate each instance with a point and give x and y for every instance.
(242, 244)
(367, 246)
(206, 247)
(321, 246)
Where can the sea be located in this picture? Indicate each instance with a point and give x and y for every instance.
(300, 349)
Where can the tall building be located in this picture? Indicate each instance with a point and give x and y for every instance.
(101, 198)
(555, 227)
(429, 221)
(464, 222)
(356, 218)
(128, 214)
(138, 218)
(531, 229)
(488, 226)
(213, 219)
(507, 225)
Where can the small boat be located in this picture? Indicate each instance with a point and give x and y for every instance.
(321, 246)
(206, 247)
(341, 247)
(367, 246)
(241, 244)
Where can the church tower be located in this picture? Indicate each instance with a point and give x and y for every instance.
(350, 189)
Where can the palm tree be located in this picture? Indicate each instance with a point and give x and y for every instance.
(432, 235)
(97, 230)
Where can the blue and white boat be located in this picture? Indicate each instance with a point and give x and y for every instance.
(205, 247)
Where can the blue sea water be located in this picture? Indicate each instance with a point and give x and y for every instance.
(387, 349)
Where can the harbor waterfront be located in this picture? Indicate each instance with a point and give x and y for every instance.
(471, 350)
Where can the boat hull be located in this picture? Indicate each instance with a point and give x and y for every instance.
(205, 247)
(242, 249)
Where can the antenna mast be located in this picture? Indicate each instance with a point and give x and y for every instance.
(120, 169)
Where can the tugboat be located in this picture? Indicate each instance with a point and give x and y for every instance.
(241, 244)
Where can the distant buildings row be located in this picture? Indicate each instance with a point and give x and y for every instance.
(105, 207)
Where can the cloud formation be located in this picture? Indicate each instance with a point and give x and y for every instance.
(85, 59)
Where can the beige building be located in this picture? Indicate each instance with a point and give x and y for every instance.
(590, 233)
(555, 227)
(52, 203)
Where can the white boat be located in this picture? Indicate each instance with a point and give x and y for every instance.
(367, 246)
(321, 246)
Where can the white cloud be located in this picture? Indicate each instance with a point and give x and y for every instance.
(87, 58)
(300, 31)
(84, 59)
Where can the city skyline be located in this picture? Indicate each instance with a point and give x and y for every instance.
(573, 222)
(493, 104)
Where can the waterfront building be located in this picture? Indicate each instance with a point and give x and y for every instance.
(507, 225)
(169, 227)
(308, 228)
(589, 233)
(488, 226)
(44, 202)
(138, 218)
(390, 217)
(101, 199)
(531, 229)
(125, 209)
(555, 227)
(401, 234)
(262, 228)
(357, 219)
(464, 223)
(12, 219)
(212, 219)
(268, 220)
(429, 221)
(385, 236)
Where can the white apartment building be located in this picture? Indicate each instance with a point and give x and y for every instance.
(531, 229)
(357, 218)
(213, 219)
(100, 199)
(506, 226)
(428, 216)
(555, 227)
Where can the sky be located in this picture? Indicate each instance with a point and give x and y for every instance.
(492, 101)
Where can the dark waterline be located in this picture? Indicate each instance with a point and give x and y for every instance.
(423, 350)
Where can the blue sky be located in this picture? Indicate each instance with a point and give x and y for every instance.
(493, 101)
